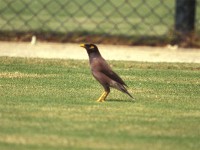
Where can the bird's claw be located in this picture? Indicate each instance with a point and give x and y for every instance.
(100, 100)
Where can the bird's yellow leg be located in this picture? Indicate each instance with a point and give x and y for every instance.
(102, 98)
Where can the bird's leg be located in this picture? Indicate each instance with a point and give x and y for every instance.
(102, 98)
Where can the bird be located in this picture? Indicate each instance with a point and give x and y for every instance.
(103, 73)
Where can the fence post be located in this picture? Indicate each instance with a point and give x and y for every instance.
(185, 19)
(185, 15)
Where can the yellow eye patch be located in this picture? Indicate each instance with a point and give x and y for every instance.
(91, 47)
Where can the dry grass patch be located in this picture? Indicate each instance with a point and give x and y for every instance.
(24, 75)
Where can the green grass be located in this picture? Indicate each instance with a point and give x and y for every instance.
(50, 104)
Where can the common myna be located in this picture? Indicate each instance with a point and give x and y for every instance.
(103, 73)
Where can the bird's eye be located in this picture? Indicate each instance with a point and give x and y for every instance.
(91, 47)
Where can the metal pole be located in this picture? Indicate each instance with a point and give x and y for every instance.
(185, 16)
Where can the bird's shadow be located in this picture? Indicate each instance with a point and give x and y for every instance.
(120, 100)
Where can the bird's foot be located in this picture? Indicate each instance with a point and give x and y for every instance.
(102, 98)
(100, 101)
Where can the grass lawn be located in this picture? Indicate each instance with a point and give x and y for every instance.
(51, 104)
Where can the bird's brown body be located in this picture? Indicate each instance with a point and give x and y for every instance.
(103, 73)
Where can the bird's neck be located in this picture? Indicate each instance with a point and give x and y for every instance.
(94, 54)
(93, 57)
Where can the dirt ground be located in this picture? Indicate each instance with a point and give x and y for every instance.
(109, 52)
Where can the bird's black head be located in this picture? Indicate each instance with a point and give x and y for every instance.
(91, 48)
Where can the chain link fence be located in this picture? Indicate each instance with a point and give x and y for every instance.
(100, 21)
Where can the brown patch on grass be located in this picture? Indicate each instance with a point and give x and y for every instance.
(24, 75)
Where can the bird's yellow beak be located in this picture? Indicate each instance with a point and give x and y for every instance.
(82, 45)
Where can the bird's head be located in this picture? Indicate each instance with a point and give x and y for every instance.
(90, 48)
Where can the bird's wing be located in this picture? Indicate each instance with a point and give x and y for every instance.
(114, 76)
(106, 70)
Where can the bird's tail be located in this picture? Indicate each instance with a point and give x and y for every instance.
(129, 94)
(123, 89)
